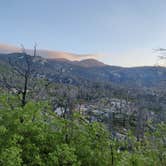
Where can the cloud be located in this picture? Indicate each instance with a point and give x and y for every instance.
(5, 48)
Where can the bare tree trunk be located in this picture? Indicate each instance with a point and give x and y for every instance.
(24, 92)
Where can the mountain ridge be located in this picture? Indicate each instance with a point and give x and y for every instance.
(65, 71)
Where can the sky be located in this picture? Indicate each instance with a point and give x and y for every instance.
(118, 32)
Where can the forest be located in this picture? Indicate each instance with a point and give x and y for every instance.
(49, 119)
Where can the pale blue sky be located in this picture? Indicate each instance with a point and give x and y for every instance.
(124, 32)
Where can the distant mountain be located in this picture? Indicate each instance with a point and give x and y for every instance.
(89, 63)
(90, 70)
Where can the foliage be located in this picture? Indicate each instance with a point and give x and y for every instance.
(34, 135)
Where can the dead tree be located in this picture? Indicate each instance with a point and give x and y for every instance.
(22, 67)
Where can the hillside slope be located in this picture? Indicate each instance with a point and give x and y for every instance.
(77, 72)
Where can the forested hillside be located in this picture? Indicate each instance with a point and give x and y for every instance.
(74, 72)
(64, 113)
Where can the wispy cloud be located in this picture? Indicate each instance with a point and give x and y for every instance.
(5, 48)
